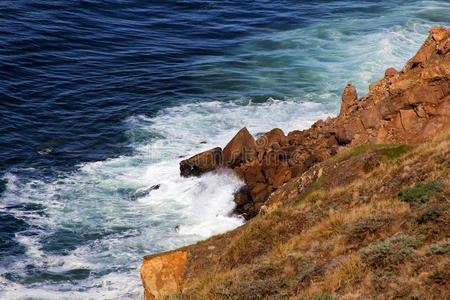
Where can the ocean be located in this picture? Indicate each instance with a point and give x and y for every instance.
(101, 99)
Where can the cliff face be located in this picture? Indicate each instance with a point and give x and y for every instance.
(295, 182)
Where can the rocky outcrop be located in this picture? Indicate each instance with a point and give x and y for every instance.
(409, 106)
(201, 163)
(163, 274)
(240, 149)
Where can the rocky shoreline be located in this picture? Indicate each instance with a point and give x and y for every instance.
(409, 106)
(406, 106)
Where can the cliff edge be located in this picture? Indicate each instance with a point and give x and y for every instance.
(355, 206)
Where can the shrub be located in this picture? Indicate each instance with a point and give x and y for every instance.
(390, 252)
(442, 247)
(431, 213)
(359, 230)
(421, 192)
(252, 289)
(440, 276)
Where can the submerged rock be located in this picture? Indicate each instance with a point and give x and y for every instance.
(144, 192)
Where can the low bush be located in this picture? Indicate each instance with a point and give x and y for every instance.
(421, 192)
(431, 213)
(358, 231)
(388, 254)
(442, 247)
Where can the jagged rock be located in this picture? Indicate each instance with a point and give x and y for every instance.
(276, 135)
(201, 163)
(349, 96)
(240, 149)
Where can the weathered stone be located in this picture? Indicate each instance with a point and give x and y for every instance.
(390, 72)
(240, 149)
(163, 274)
(144, 192)
(349, 96)
(370, 118)
(409, 119)
(201, 163)
(267, 139)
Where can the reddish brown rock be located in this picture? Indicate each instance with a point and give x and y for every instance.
(370, 118)
(201, 163)
(240, 149)
(349, 96)
(162, 274)
(390, 72)
(276, 135)
(409, 118)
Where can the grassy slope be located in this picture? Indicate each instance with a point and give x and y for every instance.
(383, 234)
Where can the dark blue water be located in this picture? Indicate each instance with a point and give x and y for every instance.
(88, 87)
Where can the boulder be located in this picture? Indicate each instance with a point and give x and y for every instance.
(240, 149)
(370, 118)
(276, 135)
(201, 163)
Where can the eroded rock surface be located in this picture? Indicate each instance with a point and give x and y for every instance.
(201, 163)
(163, 274)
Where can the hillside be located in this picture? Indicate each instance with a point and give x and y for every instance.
(355, 207)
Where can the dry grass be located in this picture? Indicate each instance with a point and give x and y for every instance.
(359, 240)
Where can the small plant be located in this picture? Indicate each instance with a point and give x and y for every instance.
(311, 196)
(431, 213)
(361, 229)
(421, 192)
(440, 276)
(442, 247)
(389, 253)
(306, 271)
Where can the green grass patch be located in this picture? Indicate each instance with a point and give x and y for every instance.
(421, 192)
(359, 150)
(321, 180)
(389, 151)
(302, 198)
(395, 152)
(312, 196)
